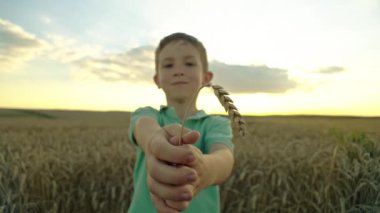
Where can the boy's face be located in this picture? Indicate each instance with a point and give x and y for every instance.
(180, 72)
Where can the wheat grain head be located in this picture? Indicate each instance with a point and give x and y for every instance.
(226, 102)
(229, 107)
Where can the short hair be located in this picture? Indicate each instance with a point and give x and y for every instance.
(183, 37)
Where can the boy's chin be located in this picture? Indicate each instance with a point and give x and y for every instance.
(180, 98)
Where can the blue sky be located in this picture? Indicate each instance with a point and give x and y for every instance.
(275, 57)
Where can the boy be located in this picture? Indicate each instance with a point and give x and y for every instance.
(168, 177)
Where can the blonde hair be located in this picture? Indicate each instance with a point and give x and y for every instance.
(187, 38)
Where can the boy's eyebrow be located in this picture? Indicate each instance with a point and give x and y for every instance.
(189, 56)
(168, 59)
(171, 58)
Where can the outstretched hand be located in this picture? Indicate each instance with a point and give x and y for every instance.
(199, 180)
(170, 180)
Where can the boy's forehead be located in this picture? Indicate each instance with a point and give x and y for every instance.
(177, 47)
(178, 44)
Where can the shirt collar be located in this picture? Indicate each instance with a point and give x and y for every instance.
(170, 112)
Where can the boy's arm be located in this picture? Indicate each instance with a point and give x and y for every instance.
(145, 128)
(219, 162)
(213, 168)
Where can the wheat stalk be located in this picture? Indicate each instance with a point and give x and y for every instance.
(226, 102)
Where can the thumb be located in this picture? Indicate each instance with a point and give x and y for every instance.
(188, 138)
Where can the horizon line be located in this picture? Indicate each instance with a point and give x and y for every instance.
(224, 114)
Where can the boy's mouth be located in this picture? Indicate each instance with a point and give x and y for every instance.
(179, 83)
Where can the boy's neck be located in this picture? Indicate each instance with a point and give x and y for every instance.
(180, 109)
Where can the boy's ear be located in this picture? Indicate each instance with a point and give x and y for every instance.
(156, 81)
(208, 77)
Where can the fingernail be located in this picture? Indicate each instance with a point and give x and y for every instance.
(190, 158)
(185, 196)
(190, 177)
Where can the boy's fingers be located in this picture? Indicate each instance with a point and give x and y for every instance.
(161, 206)
(175, 141)
(178, 205)
(190, 137)
(169, 192)
(167, 174)
(175, 130)
(164, 151)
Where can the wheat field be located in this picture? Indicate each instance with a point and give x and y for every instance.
(77, 161)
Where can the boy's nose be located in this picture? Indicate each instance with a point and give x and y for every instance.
(178, 73)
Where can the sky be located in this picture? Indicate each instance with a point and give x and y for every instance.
(275, 57)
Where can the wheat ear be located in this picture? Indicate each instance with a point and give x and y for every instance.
(226, 102)
(229, 107)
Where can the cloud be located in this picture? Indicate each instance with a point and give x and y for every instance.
(16, 46)
(68, 50)
(46, 19)
(135, 65)
(251, 79)
(330, 70)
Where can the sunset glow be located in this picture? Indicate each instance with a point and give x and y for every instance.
(275, 57)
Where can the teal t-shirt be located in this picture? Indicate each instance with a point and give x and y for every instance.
(212, 129)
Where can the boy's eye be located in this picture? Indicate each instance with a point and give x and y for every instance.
(167, 65)
(190, 64)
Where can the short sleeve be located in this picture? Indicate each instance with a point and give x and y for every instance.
(140, 112)
(218, 131)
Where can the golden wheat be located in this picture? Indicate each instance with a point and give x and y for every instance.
(225, 101)
(79, 163)
(229, 107)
